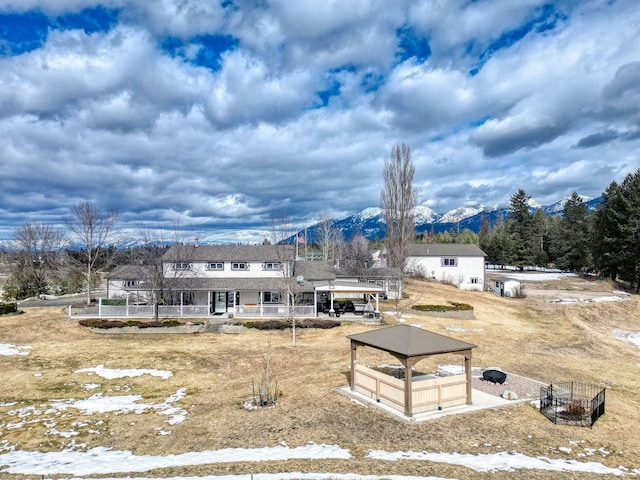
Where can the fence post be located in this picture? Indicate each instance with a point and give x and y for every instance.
(100, 308)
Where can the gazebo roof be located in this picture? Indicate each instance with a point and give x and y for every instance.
(409, 341)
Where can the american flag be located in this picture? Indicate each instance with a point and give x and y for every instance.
(300, 239)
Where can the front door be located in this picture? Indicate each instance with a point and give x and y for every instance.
(220, 302)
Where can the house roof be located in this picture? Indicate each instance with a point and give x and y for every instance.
(410, 341)
(444, 249)
(346, 286)
(229, 284)
(128, 272)
(229, 253)
(311, 270)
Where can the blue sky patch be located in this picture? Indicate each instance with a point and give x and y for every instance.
(211, 49)
(21, 33)
(411, 45)
(546, 20)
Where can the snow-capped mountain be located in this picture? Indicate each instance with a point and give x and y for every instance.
(370, 221)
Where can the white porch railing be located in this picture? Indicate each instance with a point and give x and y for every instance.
(273, 310)
(146, 311)
(193, 311)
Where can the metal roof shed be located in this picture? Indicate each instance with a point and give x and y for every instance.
(409, 345)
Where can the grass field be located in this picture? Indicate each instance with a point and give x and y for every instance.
(534, 337)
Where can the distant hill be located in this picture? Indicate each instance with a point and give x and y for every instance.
(370, 221)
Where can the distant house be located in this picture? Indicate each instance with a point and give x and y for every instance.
(460, 264)
(505, 286)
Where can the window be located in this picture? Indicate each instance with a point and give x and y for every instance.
(475, 280)
(181, 266)
(215, 266)
(271, 297)
(271, 266)
(449, 262)
(239, 266)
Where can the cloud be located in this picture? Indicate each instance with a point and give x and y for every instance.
(215, 115)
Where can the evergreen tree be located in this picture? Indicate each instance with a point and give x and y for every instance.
(616, 244)
(521, 227)
(570, 236)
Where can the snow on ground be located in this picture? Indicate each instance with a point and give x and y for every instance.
(535, 276)
(8, 349)
(113, 373)
(627, 336)
(502, 461)
(606, 298)
(103, 461)
(73, 460)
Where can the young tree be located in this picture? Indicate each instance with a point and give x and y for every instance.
(398, 200)
(94, 230)
(37, 250)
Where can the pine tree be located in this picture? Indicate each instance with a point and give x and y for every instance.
(616, 240)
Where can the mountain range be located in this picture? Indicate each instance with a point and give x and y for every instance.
(370, 221)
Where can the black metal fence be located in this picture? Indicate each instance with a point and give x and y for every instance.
(572, 403)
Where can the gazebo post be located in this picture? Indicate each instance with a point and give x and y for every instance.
(467, 369)
(408, 393)
(354, 361)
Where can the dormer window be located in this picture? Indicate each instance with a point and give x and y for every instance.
(215, 266)
(239, 266)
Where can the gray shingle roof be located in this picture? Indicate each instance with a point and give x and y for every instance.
(229, 253)
(410, 341)
(311, 270)
(445, 249)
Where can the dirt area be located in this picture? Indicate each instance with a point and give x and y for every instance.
(533, 339)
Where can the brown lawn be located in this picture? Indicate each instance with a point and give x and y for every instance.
(546, 341)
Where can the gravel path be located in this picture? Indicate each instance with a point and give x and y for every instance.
(524, 387)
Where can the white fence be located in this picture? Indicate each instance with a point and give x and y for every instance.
(191, 311)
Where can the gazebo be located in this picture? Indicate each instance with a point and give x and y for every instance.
(410, 345)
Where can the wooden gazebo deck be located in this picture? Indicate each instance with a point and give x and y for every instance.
(410, 345)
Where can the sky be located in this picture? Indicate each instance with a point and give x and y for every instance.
(78, 459)
(213, 117)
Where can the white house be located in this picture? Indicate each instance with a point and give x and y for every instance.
(239, 280)
(460, 264)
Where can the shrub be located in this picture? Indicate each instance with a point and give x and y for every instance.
(132, 323)
(283, 324)
(114, 302)
(6, 308)
(454, 307)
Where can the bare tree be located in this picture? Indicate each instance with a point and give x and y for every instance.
(326, 236)
(94, 230)
(357, 255)
(38, 254)
(162, 262)
(282, 229)
(398, 201)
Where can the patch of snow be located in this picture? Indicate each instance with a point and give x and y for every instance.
(102, 460)
(450, 369)
(8, 349)
(501, 461)
(627, 336)
(90, 386)
(113, 373)
(569, 301)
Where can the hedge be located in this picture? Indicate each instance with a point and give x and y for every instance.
(6, 308)
(106, 324)
(454, 307)
(283, 324)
